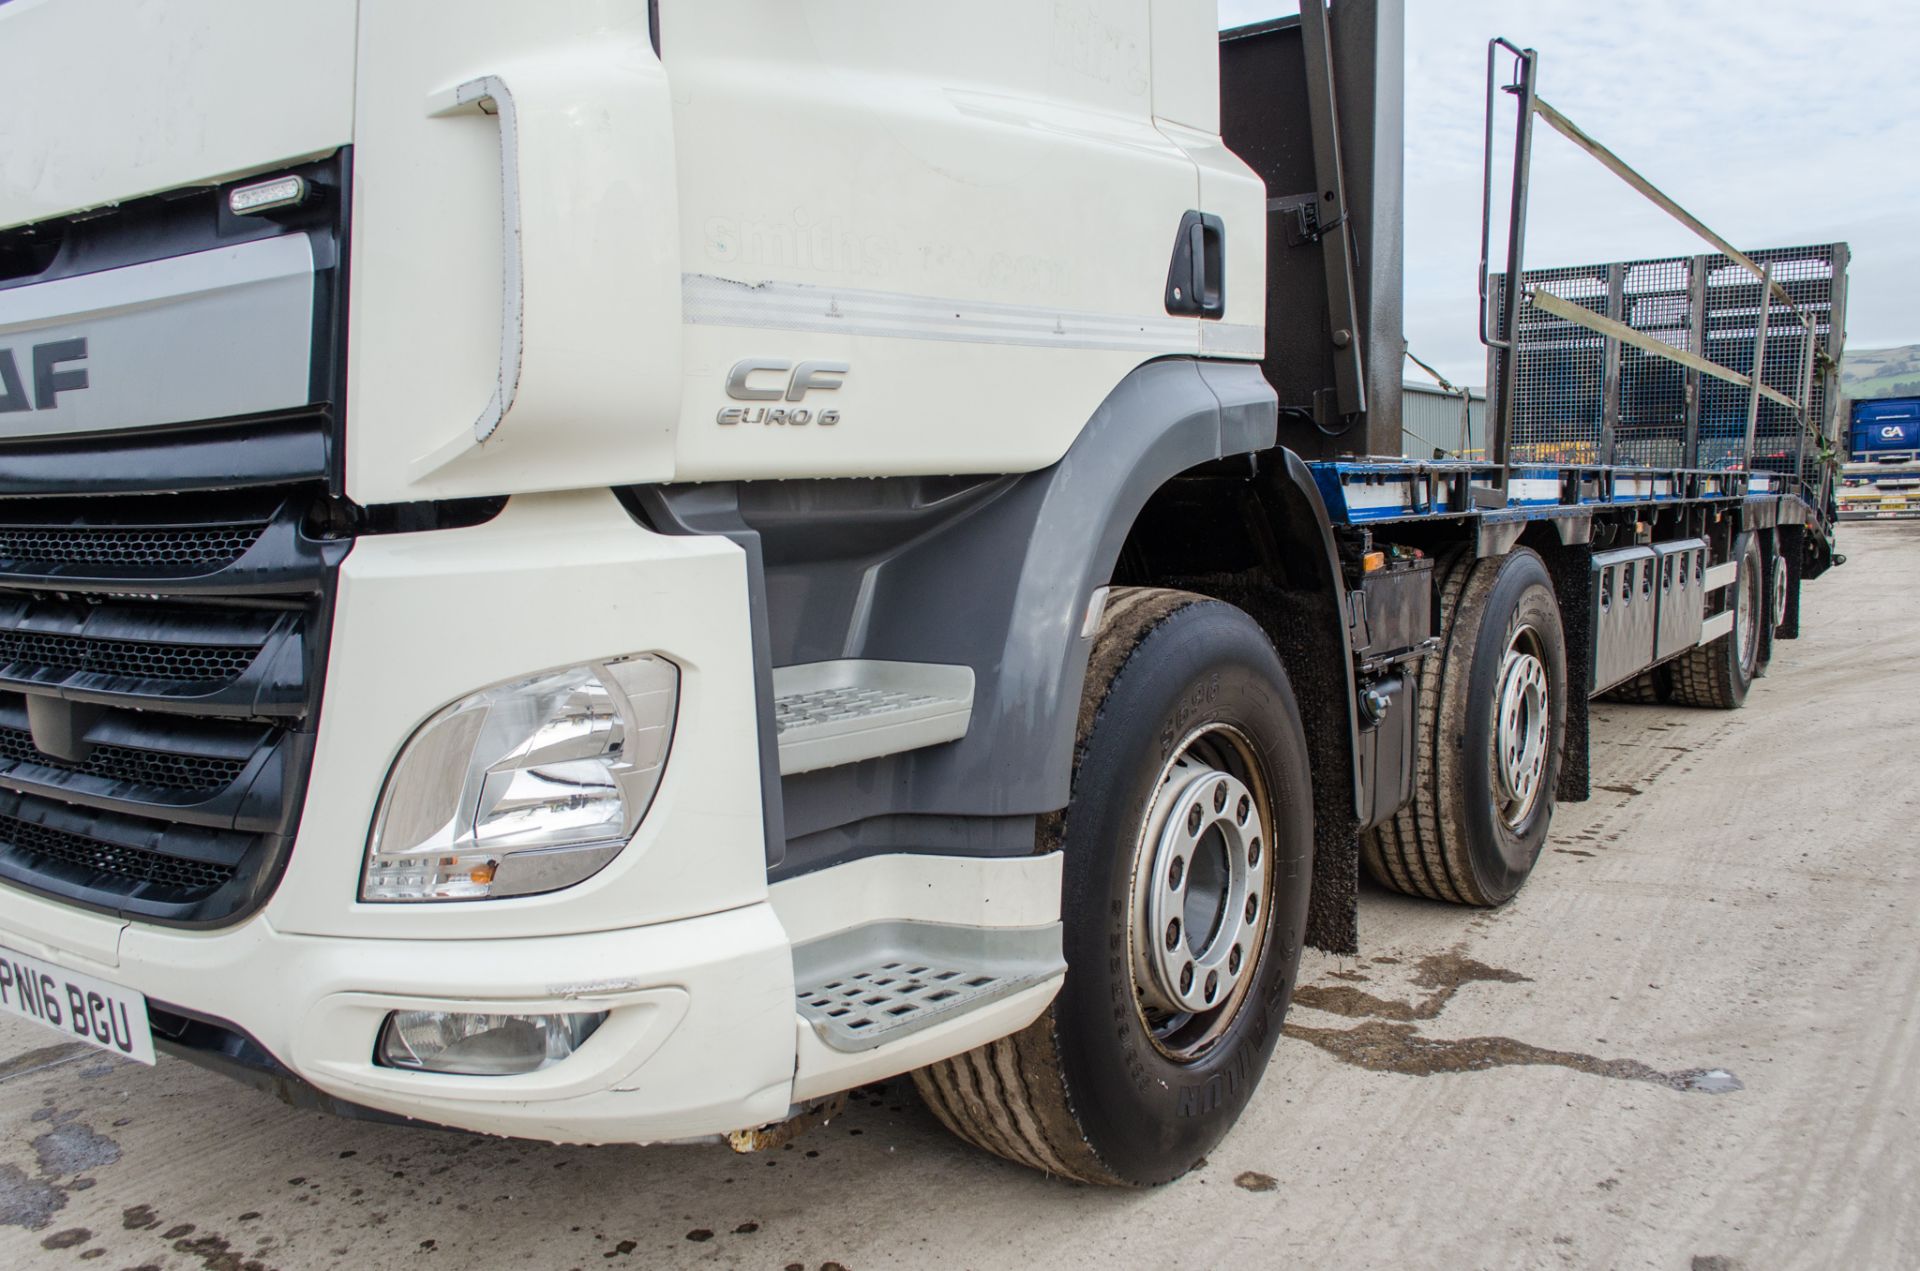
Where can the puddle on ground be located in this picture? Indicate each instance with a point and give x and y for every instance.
(1442, 974)
(27, 1202)
(1383, 1046)
(73, 1148)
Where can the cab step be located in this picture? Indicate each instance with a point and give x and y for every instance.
(841, 712)
(878, 983)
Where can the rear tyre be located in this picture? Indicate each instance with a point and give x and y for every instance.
(1188, 849)
(1489, 737)
(1718, 675)
(1649, 688)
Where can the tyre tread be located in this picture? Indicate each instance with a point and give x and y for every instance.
(1010, 1096)
(1414, 853)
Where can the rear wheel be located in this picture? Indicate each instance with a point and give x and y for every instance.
(1649, 688)
(1489, 737)
(1188, 846)
(1718, 675)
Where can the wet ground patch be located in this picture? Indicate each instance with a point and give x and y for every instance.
(1383, 1046)
(1441, 974)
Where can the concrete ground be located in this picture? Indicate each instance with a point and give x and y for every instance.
(1690, 1043)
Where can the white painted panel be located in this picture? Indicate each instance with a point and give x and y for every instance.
(996, 154)
(1186, 63)
(101, 102)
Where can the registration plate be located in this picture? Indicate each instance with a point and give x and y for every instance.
(77, 1006)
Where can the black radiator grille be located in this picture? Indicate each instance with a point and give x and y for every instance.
(132, 659)
(182, 550)
(155, 768)
(166, 589)
(173, 874)
(159, 691)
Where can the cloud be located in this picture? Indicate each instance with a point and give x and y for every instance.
(1775, 126)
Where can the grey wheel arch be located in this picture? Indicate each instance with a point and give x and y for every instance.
(994, 573)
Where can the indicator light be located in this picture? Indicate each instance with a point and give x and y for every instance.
(266, 196)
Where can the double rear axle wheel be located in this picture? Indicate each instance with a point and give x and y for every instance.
(1488, 737)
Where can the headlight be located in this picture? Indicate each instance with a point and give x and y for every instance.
(526, 787)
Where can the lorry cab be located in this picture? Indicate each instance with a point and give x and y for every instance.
(1885, 430)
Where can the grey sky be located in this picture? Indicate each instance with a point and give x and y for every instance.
(1776, 123)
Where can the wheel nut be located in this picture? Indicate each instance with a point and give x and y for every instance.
(1186, 978)
(1213, 985)
(1253, 908)
(1176, 872)
(1240, 813)
(1220, 796)
(1173, 934)
(1253, 852)
(1193, 820)
(1233, 961)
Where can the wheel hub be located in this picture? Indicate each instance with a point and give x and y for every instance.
(1204, 888)
(1521, 730)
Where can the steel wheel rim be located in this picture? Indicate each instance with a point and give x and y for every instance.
(1745, 632)
(1522, 726)
(1202, 895)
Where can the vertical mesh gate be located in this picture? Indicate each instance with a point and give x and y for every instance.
(1587, 398)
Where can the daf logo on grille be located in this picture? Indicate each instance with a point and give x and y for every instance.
(54, 372)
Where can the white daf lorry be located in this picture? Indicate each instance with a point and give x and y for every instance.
(609, 572)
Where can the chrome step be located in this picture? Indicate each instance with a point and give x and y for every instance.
(833, 713)
(875, 984)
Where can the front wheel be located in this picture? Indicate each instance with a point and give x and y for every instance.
(1188, 845)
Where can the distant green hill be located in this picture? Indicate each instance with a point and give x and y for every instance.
(1881, 372)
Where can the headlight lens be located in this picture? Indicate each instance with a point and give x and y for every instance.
(526, 787)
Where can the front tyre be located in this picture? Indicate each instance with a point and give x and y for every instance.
(1188, 851)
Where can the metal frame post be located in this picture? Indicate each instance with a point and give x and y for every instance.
(1336, 247)
(1805, 397)
(1697, 336)
(1759, 364)
(1610, 363)
(1500, 413)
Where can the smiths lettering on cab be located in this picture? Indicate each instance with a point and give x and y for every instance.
(52, 366)
(757, 379)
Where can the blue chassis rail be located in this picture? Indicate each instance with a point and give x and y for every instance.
(1373, 491)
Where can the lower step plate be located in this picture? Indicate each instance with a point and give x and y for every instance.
(884, 981)
(833, 713)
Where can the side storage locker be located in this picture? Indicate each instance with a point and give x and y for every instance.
(1625, 612)
(1680, 572)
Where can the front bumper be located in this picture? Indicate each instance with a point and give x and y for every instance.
(675, 937)
(699, 1037)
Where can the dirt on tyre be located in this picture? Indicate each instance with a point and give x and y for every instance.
(1187, 856)
(1717, 675)
(1488, 737)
